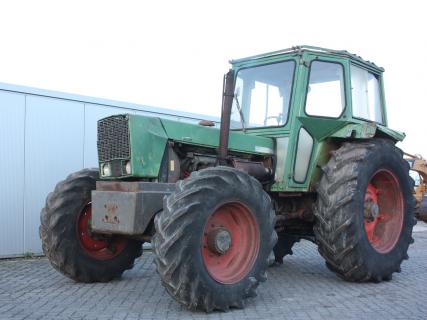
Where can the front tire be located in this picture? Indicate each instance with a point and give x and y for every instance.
(364, 211)
(213, 239)
(68, 241)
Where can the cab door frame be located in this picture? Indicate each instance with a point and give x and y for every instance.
(314, 126)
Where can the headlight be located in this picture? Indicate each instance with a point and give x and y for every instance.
(128, 168)
(106, 169)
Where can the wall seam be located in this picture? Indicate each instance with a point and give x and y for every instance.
(25, 174)
(84, 135)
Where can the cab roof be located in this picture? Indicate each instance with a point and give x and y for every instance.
(305, 48)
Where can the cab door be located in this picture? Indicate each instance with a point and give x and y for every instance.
(321, 110)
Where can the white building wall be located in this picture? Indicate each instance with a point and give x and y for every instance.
(44, 136)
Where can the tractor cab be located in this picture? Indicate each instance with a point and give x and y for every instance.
(303, 97)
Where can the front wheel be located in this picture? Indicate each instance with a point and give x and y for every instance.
(364, 211)
(214, 238)
(67, 238)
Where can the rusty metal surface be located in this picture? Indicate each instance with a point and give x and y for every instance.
(126, 207)
(227, 102)
(421, 210)
(207, 123)
(255, 169)
(134, 186)
(419, 165)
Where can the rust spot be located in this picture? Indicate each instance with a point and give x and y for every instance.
(206, 123)
(111, 208)
(111, 216)
(117, 186)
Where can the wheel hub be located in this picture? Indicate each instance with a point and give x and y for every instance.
(372, 209)
(219, 240)
(383, 211)
(98, 248)
(230, 242)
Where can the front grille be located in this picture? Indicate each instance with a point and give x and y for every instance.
(113, 138)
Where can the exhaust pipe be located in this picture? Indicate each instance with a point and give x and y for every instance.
(227, 102)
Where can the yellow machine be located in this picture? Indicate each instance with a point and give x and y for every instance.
(419, 165)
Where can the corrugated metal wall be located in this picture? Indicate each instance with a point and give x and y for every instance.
(44, 136)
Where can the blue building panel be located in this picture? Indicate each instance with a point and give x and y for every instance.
(54, 135)
(12, 120)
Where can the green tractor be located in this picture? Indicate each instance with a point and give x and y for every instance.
(303, 151)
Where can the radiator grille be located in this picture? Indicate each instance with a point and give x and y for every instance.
(113, 138)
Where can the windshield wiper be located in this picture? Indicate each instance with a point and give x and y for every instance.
(242, 119)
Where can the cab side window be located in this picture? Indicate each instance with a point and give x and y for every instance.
(365, 95)
(325, 92)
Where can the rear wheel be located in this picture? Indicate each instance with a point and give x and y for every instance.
(383, 211)
(213, 239)
(364, 212)
(67, 239)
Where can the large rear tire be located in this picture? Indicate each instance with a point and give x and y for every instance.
(213, 239)
(68, 241)
(364, 211)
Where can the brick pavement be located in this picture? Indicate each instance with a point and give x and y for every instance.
(302, 288)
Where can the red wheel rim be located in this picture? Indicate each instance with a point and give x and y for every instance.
(98, 248)
(236, 261)
(383, 211)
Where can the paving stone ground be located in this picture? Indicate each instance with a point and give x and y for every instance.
(302, 288)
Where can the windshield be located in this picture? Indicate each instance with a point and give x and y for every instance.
(262, 95)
